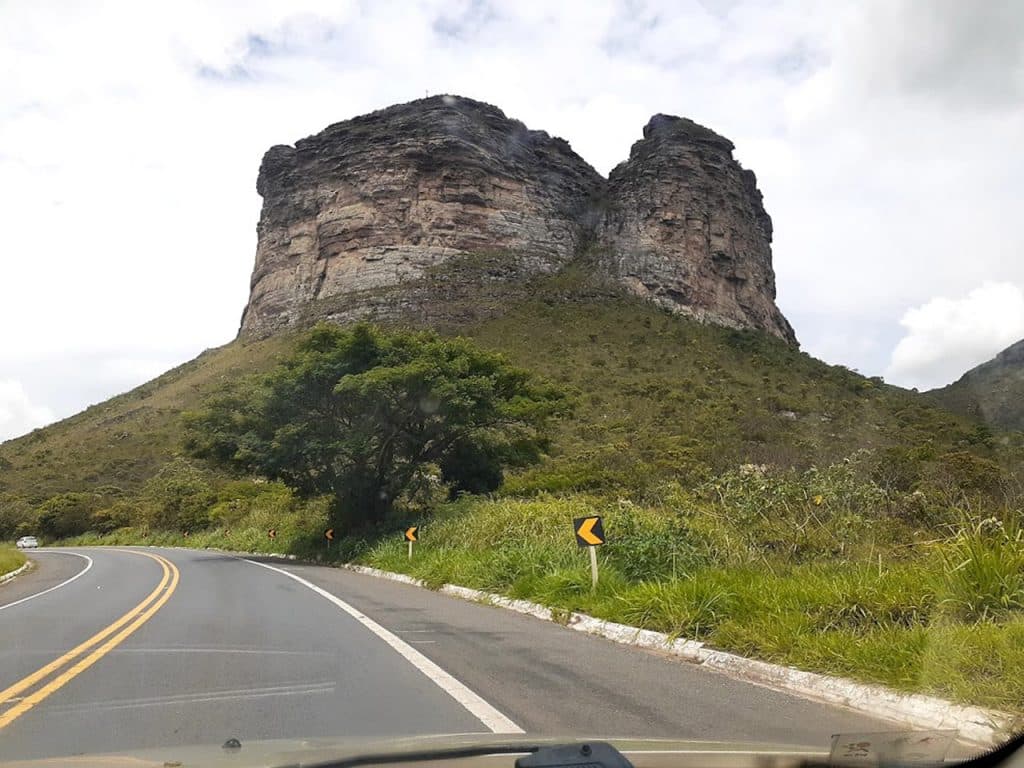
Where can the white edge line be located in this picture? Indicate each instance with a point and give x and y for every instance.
(975, 725)
(480, 709)
(64, 583)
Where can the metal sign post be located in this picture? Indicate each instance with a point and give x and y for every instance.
(410, 536)
(590, 534)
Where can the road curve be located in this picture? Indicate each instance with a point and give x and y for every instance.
(50, 570)
(240, 650)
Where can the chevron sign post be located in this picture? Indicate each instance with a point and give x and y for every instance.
(590, 534)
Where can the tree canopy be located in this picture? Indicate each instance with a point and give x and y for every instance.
(365, 416)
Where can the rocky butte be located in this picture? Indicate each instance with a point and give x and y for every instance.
(359, 218)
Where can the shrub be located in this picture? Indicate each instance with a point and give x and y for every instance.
(66, 514)
(960, 478)
(241, 499)
(178, 498)
(361, 415)
(120, 514)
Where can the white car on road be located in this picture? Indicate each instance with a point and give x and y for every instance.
(28, 542)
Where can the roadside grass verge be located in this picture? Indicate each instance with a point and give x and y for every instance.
(10, 559)
(798, 569)
(943, 617)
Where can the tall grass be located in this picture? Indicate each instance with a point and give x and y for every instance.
(938, 616)
(10, 559)
(983, 570)
(914, 618)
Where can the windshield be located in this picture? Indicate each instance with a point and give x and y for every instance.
(373, 372)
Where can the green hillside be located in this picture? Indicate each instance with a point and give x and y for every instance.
(756, 498)
(656, 398)
(993, 392)
(112, 448)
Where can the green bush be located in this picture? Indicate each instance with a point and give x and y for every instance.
(961, 478)
(66, 514)
(241, 499)
(14, 513)
(650, 546)
(178, 498)
(120, 514)
(363, 415)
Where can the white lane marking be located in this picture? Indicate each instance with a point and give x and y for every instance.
(64, 583)
(480, 709)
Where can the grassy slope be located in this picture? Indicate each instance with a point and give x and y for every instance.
(659, 396)
(662, 407)
(10, 559)
(909, 621)
(655, 396)
(122, 442)
(993, 392)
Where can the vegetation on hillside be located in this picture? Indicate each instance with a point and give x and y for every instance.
(822, 587)
(993, 392)
(754, 497)
(111, 450)
(369, 419)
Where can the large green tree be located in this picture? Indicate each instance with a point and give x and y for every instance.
(364, 415)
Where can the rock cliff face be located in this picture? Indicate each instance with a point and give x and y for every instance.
(685, 227)
(356, 217)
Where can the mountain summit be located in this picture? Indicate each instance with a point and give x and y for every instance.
(358, 218)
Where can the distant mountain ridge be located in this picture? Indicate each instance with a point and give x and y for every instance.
(992, 392)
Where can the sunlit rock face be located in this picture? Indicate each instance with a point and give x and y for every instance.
(377, 202)
(686, 227)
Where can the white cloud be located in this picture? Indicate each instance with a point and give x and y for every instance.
(131, 134)
(946, 337)
(18, 414)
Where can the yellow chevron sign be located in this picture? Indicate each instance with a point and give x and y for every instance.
(410, 535)
(589, 531)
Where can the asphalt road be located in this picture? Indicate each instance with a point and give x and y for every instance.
(105, 650)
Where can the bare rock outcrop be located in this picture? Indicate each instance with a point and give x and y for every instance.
(686, 228)
(356, 217)
(375, 201)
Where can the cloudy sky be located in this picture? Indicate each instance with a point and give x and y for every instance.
(887, 137)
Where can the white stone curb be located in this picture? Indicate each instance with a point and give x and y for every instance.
(982, 726)
(17, 571)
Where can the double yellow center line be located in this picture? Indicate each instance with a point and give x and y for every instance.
(91, 651)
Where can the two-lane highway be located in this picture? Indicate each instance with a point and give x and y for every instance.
(122, 649)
